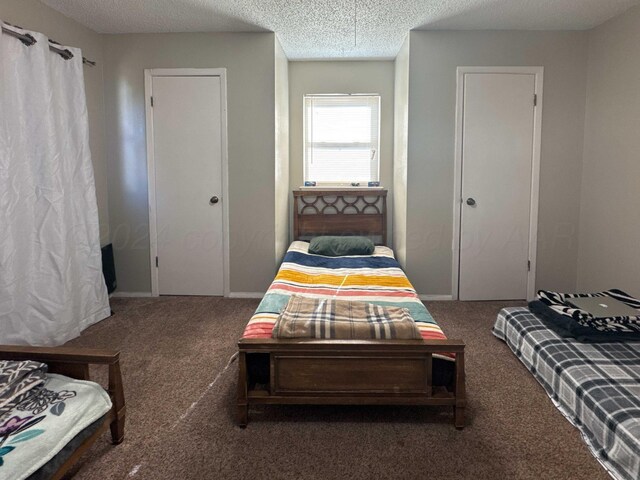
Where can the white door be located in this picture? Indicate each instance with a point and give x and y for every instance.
(497, 155)
(187, 146)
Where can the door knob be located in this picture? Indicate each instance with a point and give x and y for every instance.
(471, 202)
(214, 200)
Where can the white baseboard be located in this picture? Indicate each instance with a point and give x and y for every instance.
(435, 298)
(117, 294)
(246, 294)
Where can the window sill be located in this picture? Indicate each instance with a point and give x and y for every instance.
(340, 187)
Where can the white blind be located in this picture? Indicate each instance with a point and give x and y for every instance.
(341, 138)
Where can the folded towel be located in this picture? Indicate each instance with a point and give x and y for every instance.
(328, 318)
(18, 381)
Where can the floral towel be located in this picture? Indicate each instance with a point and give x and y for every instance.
(37, 429)
(18, 381)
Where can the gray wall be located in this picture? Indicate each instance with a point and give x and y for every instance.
(33, 15)
(342, 77)
(282, 190)
(432, 99)
(610, 212)
(249, 59)
(420, 181)
(400, 143)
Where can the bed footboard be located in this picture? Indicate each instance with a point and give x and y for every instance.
(74, 362)
(341, 372)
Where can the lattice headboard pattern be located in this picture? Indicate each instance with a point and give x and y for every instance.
(340, 212)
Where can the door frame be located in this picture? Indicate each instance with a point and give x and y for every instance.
(538, 72)
(149, 73)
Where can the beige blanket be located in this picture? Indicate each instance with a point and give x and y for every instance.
(327, 318)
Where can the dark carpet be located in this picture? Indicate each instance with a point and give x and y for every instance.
(180, 392)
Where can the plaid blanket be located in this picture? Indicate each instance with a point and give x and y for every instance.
(329, 318)
(18, 381)
(376, 279)
(595, 385)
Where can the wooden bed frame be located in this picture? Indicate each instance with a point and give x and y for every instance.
(74, 363)
(340, 212)
(348, 372)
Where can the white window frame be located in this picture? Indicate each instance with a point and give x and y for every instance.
(346, 183)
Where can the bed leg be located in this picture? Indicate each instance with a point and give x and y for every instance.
(243, 407)
(460, 393)
(458, 414)
(117, 429)
(116, 392)
(243, 415)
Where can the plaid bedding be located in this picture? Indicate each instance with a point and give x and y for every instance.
(595, 385)
(329, 318)
(375, 278)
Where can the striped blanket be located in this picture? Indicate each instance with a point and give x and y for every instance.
(375, 278)
(329, 318)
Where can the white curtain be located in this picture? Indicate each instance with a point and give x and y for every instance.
(51, 283)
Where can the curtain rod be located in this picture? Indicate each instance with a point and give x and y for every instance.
(29, 40)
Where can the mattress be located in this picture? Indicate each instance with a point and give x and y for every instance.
(376, 278)
(49, 469)
(595, 385)
(40, 427)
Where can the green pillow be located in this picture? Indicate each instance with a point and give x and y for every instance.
(339, 246)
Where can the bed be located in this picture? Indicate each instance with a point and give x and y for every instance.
(340, 372)
(69, 414)
(596, 386)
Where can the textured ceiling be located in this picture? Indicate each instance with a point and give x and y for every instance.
(337, 28)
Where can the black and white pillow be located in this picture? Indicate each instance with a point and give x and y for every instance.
(558, 302)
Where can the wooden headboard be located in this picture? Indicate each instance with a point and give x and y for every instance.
(340, 212)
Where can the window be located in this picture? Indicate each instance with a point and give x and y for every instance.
(341, 138)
